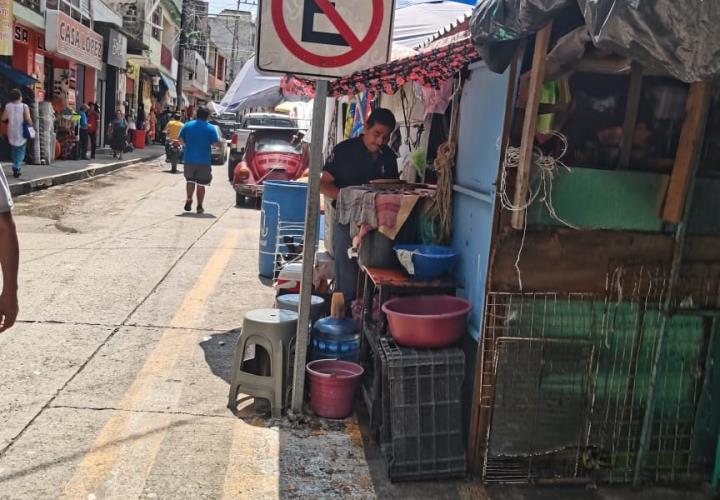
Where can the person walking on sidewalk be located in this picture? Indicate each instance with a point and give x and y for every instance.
(93, 118)
(15, 115)
(84, 134)
(131, 127)
(118, 134)
(198, 136)
(9, 257)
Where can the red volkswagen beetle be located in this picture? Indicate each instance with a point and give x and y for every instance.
(270, 154)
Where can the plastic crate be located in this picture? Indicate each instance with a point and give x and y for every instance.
(422, 400)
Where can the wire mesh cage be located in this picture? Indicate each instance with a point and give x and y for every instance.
(577, 369)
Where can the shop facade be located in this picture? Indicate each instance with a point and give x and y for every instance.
(76, 52)
(112, 80)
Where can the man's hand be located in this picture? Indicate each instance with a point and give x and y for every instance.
(8, 310)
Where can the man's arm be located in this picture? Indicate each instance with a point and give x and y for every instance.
(9, 256)
(217, 137)
(327, 185)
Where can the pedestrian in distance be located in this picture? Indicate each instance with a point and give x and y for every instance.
(17, 117)
(198, 136)
(93, 118)
(84, 133)
(118, 134)
(131, 127)
(9, 257)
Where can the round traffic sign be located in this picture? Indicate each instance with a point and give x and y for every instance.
(358, 47)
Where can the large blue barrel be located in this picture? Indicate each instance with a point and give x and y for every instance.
(282, 201)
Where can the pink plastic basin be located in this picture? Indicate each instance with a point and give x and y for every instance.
(428, 321)
(332, 386)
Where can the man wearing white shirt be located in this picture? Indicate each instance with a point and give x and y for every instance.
(9, 257)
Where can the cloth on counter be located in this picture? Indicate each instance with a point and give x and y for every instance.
(365, 209)
(390, 219)
(356, 206)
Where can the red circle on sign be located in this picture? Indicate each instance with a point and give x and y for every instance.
(356, 51)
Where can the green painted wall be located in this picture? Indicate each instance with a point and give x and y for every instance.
(604, 199)
(623, 200)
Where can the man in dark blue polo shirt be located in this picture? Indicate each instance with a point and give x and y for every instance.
(198, 136)
(355, 162)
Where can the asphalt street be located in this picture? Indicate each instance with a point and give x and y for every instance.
(114, 382)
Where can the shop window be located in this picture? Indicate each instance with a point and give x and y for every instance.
(157, 23)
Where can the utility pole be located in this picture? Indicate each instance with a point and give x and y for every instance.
(233, 52)
(182, 42)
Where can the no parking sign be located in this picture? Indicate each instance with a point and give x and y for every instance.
(323, 38)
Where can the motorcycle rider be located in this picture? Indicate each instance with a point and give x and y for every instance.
(172, 129)
(173, 148)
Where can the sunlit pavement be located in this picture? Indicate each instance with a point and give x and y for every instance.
(114, 382)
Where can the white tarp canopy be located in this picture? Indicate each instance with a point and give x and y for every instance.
(250, 89)
(415, 22)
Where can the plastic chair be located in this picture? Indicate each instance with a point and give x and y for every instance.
(274, 331)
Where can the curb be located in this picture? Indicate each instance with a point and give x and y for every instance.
(76, 175)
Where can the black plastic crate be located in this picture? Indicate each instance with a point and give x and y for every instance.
(422, 412)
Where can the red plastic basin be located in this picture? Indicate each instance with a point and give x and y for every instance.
(332, 386)
(428, 321)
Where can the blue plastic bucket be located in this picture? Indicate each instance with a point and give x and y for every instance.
(282, 201)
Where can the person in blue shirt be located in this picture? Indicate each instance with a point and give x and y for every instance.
(198, 136)
(83, 132)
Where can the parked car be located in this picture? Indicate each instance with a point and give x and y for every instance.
(271, 154)
(250, 122)
(227, 122)
(219, 153)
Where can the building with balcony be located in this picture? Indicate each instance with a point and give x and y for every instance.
(232, 32)
(217, 66)
(153, 27)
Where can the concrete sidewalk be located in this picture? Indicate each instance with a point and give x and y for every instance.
(35, 177)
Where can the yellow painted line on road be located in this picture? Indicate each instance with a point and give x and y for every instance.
(125, 449)
(253, 470)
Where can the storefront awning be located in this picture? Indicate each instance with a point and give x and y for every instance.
(172, 90)
(17, 77)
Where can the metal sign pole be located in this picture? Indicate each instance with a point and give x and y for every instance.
(312, 212)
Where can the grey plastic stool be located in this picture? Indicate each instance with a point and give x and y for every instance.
(291, 302)
(274, 331)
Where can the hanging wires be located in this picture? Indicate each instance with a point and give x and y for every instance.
(548, 168)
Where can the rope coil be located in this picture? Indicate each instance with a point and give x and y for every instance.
(548, 168)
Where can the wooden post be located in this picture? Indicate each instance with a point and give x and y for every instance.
(631, 113)
(312, 215)
(690, 137)
(537, 73)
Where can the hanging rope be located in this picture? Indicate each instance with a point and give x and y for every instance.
(444, 163)
(541, 191)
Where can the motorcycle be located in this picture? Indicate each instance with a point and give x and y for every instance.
(173, 154)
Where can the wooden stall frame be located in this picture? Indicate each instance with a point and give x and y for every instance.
(691, 136)
(537, 74)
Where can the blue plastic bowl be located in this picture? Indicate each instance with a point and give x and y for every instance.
(430, 261)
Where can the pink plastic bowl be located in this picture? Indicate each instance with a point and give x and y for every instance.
(332, 386)
(427, 321)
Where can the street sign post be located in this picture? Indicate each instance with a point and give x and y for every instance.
(321, 39)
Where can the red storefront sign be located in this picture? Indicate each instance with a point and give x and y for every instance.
(72, 39)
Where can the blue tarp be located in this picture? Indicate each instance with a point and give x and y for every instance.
(15, 76)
